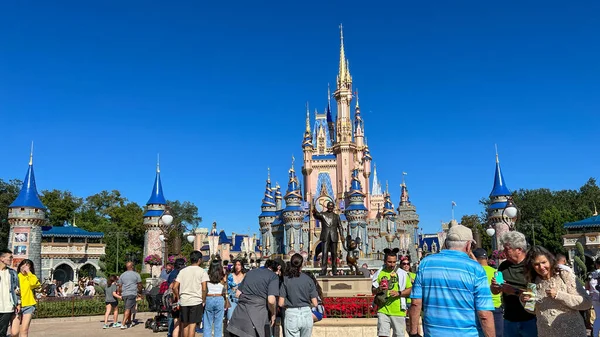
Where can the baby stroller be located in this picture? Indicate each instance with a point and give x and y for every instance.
(160, 322)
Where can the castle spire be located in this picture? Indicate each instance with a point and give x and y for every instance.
(376, 189)
(157, 197)
(499, 188)
(31, 155)
(344, 72)
(28, 196)
(268, 200)
(307, 119)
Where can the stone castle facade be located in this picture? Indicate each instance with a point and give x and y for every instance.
(337, 167)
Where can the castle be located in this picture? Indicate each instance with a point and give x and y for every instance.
(336, 167)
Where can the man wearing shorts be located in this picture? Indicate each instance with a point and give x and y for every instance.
(189, 289)
(129, 282)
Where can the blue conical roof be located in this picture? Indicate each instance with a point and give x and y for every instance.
(28, 197)
(157, 197)
(499, 188)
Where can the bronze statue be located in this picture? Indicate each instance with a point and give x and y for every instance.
(331, 225)
(352, 256)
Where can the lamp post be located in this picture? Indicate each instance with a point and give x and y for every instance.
(165, 221)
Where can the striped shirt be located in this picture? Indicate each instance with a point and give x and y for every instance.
(453, 288)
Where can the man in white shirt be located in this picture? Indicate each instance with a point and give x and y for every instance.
(189, 289)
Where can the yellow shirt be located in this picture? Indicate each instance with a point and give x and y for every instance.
(27, 283)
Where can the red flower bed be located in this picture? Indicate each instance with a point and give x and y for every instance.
(349, 307)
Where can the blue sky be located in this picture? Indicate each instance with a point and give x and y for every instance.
(219, 90)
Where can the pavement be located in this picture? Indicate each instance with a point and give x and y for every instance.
(89, 326)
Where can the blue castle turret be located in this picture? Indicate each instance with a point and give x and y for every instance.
(267, 216)
(356, 212)
(388, 207)
(293, 215)
(26, 216)
(155, 208)
(498, 199)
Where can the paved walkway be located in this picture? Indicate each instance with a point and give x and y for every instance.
(89, 326)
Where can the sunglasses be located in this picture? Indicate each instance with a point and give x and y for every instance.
(405, 263)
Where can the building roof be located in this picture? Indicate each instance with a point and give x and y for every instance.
(591, 222)
(154, 212)
(157, 197)
(499, 188)
(28, 196)
(69, 231)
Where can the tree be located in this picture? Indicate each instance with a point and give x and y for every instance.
(476, 223)
(62, 206)
(8, 193)
(185, 218)
(122, 223)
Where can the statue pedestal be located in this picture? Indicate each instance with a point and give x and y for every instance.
(345, 286)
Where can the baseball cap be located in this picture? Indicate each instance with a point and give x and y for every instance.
(459, 233)
(480, 253)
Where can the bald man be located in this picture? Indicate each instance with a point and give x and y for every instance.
(129, 283)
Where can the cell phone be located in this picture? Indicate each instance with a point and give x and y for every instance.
(499, 277)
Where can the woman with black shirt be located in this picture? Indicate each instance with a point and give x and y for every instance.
(298, 294)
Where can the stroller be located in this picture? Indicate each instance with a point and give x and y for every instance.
(160, 322)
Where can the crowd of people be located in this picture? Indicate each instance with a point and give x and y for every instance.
(452, 293)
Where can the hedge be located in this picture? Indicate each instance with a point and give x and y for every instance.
(77, 306)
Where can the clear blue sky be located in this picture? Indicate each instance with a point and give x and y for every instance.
(220, 92)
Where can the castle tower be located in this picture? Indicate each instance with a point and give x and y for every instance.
(407, 220)
(267, 216)
(344, 147)
(356, 212)
(155, 207)
(498, 198)
(26, 216)
(293, 216)
(278, 197)
(330, 123)
(307, 150)
(377, 198)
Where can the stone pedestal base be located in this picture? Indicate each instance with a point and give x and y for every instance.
(345, 286)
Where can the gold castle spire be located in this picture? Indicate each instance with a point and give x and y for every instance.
(344, 72)
(356, 94)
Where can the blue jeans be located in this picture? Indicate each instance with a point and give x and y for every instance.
(298, 322)
(231, 308)
(520, 329)
(499, 321)
(214, 310)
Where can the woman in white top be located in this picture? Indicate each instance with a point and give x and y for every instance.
(214, 309)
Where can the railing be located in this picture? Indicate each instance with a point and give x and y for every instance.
(77, 306)
(349, 307)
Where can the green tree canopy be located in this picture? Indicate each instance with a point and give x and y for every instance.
(9, 190)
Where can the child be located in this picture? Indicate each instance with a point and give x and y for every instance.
(112, 304)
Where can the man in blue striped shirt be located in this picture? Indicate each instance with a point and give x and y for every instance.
(452, 289)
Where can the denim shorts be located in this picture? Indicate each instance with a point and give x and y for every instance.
(28, 310)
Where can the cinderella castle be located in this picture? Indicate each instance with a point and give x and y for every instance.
(336, 167)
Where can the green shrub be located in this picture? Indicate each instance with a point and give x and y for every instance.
(144, 276)
(77, 306)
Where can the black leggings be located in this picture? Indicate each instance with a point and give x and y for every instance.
(5, 319)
